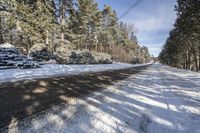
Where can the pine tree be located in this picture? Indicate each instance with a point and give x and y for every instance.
(7, 19)
(64, 8)
(133, 37)
(55, 22)
(35, 21)
(110, 33)
(88, 16)
(106, 37)
(182, 46)
(1, 32)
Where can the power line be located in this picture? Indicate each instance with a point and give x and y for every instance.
(130, 8)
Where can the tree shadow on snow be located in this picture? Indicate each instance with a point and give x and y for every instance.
(22, 99)
(19, 100)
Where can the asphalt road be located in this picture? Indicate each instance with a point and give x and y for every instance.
(22, 99)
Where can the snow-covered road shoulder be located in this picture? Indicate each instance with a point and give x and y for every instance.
(54, 70)
(159, 99)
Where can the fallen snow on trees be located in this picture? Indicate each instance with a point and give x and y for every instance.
(6, 45)
(63, 55)
(55, 70)
(11, 57)
(42, 55)
(84, 57)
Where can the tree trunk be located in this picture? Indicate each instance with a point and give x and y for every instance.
(189, 60)
(96, 49)
(52, 42)
(186, 60)
(183, 62)
(194, 54)
(62, 21)
(62, 39)
(28, 46)
(199, 56)
(110, 48)
(195, 59)
(77, 48)
(1, 34)
(86, 46)
(113, 48)
(47, 38)
(101, 47)
(48, 42)
(11, 38)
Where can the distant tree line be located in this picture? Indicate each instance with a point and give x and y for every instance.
(75, 24)
(182, 48)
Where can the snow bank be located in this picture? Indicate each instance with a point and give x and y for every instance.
(6, 45)
(54, 70)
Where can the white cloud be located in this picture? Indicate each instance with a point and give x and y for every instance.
(153, 24)
(160, 18)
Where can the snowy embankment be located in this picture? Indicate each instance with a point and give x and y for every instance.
(54, 70)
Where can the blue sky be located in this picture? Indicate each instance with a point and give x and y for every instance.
(153, 20)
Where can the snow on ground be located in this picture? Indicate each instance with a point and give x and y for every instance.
(53, 70)
(6, 45)
(158, 100)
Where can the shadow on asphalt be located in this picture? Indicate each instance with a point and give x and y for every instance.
(22, 99)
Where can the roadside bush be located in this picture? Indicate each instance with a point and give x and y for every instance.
(81, 57)
(102, 58)
(84, 57)
(42, 55)
(62, 54)
(11, 57)
(37, 47)
(136, 61)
